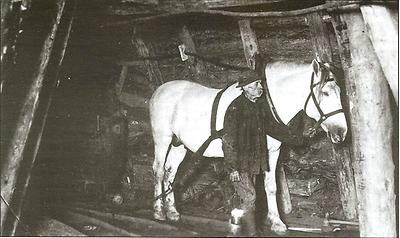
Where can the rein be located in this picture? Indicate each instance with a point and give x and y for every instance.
(323, 116)
(271, 103)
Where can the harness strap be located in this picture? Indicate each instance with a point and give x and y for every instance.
(214, 133)
(196, 164)
(214, 111)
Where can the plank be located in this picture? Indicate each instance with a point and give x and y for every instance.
(196, 67)
(249, 40)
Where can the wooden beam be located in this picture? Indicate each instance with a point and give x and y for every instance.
(146, 50)
(196, 67)
(320, 37)
(330, 7)
(371, 127)
(61, 45)
(323, 49)
(249, 40)
(12, 161)
(384, 35)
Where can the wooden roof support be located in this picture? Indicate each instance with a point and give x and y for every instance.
(331, 6)
(371, 127)
(58, 56)
(146, 50)
(249, 40)
(197, 67)
(12, 161)
(320, 37)
(323, 49)
(384, 35)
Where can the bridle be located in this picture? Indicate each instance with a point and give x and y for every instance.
(322, 115)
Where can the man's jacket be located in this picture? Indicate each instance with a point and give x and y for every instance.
(244, 140)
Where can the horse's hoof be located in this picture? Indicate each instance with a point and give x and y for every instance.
(173, 216)
(159, 216)
(279, 228)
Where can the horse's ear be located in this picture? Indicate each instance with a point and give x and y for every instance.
(316, 67)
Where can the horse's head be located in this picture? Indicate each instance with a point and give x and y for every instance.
(324, 104)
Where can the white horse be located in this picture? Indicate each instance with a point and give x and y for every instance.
(182, 110)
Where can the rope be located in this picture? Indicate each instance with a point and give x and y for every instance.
(15, 215)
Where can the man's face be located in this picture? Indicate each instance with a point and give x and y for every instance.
(254, 89)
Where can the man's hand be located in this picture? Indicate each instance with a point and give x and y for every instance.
(310, 133)
(235, 176)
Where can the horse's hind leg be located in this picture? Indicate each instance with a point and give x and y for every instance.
(161, 145)
(175, 157)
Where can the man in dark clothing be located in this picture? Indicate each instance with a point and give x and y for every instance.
(248, 121)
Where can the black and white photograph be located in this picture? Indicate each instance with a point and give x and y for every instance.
(199, 118)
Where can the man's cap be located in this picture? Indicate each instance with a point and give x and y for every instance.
(247, 77)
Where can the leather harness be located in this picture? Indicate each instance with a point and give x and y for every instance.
(214, 132)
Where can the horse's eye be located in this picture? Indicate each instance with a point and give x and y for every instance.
(325, 93)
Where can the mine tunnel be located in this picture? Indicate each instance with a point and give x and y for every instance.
(77, 148)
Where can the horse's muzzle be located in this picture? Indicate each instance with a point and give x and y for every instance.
(337, 135)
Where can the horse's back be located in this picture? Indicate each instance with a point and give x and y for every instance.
(173, 99)
(183, 108)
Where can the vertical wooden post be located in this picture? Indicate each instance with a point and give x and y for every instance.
(384, 35)
(146, 50)
(58, 58)
(249, 39)
(371, 126)
(323, 49)
(196, 67)
(12, 162)
(250, 47)
(319, 37)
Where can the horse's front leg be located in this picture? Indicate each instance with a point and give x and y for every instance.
(271, 187)
(175, 157)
